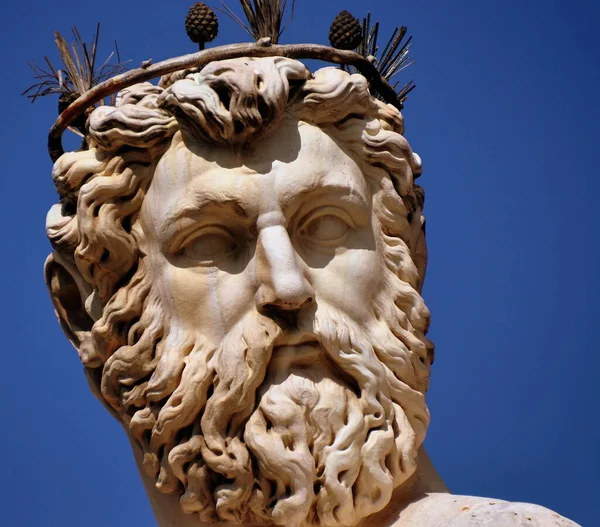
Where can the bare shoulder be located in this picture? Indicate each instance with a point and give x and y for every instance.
(447, 510)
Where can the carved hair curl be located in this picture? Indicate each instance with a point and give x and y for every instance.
(235, 101)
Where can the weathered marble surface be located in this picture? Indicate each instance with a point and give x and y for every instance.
(238, 259)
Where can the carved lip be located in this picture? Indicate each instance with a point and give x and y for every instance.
(297, 348)
(296, 339)
(303, 355)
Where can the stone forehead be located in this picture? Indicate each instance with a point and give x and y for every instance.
(298, 158)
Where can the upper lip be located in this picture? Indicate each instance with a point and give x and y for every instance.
(295, 339)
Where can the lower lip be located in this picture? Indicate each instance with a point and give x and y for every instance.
(307, 352)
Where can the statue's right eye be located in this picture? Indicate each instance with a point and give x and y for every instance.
(207, 245)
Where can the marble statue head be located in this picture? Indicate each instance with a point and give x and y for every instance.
(238, 258)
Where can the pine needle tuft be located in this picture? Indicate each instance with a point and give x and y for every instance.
(394, 58)
(80, 69)
(265, 17)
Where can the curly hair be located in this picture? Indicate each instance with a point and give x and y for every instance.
(101, 192)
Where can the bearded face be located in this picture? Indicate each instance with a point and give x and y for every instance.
(278, 385)
(267, 351)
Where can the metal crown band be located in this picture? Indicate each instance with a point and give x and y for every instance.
(261, 48)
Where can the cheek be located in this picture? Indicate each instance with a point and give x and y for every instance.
(209, 301)
(350, 282)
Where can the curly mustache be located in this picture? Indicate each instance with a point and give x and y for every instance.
(285, 422)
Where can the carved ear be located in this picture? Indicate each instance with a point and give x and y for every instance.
(420, 252)
(418, 243)
(69, 293)
(73, 301)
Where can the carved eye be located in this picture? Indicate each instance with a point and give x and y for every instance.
(327, 228)
(208, 245)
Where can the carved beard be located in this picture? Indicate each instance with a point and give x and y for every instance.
(292, 436)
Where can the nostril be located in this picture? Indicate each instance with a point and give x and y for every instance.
(282, 317)
(268, 310)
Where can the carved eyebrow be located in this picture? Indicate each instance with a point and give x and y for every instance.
(194, 209)
(339, 190)
(172, 221)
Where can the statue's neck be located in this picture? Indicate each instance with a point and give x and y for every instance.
(424, 481)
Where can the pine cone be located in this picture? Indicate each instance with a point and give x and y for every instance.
(64, 101)
(345, 31)
(201, 24)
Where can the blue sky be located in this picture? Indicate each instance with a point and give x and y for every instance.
(505, 117)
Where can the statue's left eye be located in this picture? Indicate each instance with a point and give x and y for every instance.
(326, 228)
(208, 245)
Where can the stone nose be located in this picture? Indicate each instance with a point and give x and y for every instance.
(283, 285)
